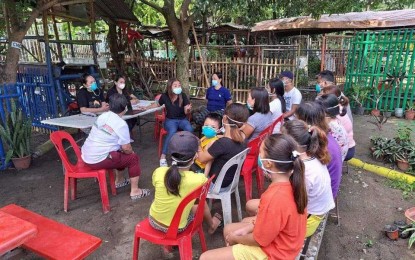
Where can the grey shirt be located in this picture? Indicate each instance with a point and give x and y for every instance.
(259, 122)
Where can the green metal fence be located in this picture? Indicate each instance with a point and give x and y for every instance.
(383, 62)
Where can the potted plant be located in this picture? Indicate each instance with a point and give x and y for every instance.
(412, 237)
(410, 112)
(16, 134)
(359, 93)
(404, 147)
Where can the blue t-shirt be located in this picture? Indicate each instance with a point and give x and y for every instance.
(217, 98)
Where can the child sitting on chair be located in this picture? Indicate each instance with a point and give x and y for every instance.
(210, 130)
(173, 183)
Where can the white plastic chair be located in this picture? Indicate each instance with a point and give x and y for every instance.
(224, 194)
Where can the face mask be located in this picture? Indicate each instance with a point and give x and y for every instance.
(266, 170)
(93, 86)
(121, 85)
(208, 131)
(214, 82)
(249, 106)
(222, 129)
(318, 88)
(177, 91)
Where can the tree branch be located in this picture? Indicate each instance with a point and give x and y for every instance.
(36, 12)
(154, 6)
(185, 8)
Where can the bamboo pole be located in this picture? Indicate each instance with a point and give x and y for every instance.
(92, 21)
(59, 46)
(201, 56)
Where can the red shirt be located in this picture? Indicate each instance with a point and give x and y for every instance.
(279, 229)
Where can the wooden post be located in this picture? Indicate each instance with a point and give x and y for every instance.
(201, 56)
(38, 49)
(55, 29)
(92, 22)
(323, 52)
(70, 38)
(167, 49)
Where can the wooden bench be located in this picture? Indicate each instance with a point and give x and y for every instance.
(313, 246)
(54, 240)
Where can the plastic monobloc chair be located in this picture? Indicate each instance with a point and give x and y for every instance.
(184, 239)
(224, 194)
(80, 170)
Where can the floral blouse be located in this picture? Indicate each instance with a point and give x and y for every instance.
(340, 134)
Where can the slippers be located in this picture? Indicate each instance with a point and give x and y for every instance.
(124, 183)
(144, 193)
(219, 222)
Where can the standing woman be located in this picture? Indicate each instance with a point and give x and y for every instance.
(258, 102)
(277, 104)
(313, 114)
(278, 231)
(119, 87)
(177, 108)
(218, 97)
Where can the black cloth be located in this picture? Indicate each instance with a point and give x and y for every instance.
(132, 121)
(89, 99)
(222, 150)
(174, 111)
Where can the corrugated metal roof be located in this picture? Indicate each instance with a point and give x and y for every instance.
(347, 21)
(116, 10)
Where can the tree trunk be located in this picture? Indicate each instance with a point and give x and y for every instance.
(114, 48)
(182, 63)
(12, 58)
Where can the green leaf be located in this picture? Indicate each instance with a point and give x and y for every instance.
(9, 155)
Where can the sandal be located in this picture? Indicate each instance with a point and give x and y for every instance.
(144, 193)
(218, 217)
(124, 183)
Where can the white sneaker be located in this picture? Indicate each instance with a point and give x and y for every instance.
(163, 163)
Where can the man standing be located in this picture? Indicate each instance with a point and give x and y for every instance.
(292, 95)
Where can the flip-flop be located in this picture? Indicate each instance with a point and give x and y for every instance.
(219, 217)
(144, 193)
(124, 183)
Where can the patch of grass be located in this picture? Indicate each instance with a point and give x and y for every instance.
(369, 243)
(408, 190)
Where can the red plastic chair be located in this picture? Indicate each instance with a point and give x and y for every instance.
(80, 170)
(184, 239)
(159, 117)
(251, 161)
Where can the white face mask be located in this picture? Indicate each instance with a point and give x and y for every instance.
(121, 85)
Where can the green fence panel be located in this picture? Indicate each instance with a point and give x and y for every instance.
(384, 63)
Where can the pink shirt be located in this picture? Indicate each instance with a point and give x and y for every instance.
(348, 125)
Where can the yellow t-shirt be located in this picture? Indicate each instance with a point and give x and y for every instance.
(203, 143)
(164, 205)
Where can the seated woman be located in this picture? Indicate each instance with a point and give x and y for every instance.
(232, 143)
(277, 104)
(278, 231)
(177, 107)
(108, 145)
(258, 102)
(343, 118)
(174, 183)
(90, 98)
(313, 114)
(218, 97)
(119, 87)
(332, 109)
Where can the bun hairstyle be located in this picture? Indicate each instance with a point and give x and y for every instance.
(313, 114)
(261, 96)
(236, 114)
(277, 87)
(282, 147)
(312, 138)
(170, 91)
(343, 100)
(330, 104)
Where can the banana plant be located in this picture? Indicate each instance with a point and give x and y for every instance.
(16, 133)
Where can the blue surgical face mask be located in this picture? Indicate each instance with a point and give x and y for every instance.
(177, 91)
(208, 131)
(93, 86)
(318, 88)
(214, 82)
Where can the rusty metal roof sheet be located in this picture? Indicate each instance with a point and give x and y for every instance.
(340, 22)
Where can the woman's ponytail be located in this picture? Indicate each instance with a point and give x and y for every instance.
(172, 180)
(318, 145)
(297, 180)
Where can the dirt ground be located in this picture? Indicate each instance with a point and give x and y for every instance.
(366, 205)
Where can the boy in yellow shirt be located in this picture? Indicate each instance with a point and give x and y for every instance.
(210, 130)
